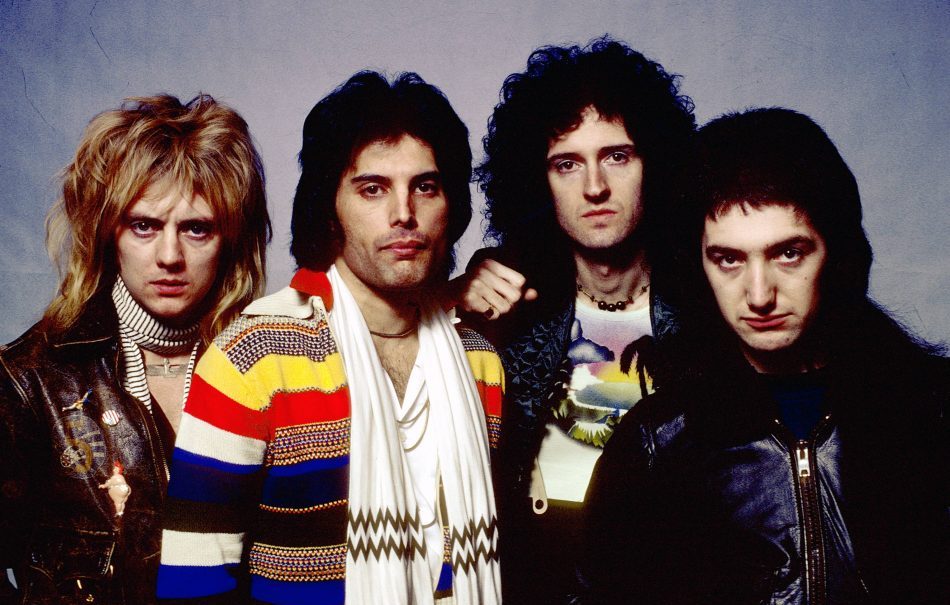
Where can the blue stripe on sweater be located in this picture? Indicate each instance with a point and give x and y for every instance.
(202, 479)
(188, 582)
(308, 489)
(180, 455)
(330, 592)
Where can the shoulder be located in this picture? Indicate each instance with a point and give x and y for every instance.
(39, 353)
(287, 302)
(31, 346)
(484, 360)
(654, 425)
(472, 340)
(26, 354)
(286, 323)
(929, 380)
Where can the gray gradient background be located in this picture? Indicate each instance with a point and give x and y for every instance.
(874, 74)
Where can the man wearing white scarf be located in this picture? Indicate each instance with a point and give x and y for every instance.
(349, 402)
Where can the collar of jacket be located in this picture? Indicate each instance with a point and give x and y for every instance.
(314, 283)
(97, 325)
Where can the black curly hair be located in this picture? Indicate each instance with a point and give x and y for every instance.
(547, 100)
(364, 109)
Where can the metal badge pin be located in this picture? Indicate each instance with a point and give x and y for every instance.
(111, 418)
(77, 405)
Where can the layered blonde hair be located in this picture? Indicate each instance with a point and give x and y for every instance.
(202, 147)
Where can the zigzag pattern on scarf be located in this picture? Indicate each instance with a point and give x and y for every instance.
(476, 541)
(385, 534)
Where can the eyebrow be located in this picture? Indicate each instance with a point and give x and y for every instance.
(570, 155)
(133, 217)
(770, 250)
(432, 175)
(798, 240)
(711, 251)
(138, 216)
(371, 178)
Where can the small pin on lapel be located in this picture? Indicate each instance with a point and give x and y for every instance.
(77, 405)
(111, 418)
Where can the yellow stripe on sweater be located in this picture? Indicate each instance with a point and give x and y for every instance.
(292, 373)
(486, 367)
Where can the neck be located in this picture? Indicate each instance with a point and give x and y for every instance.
(608, 277)
(792, 360)
(383, 311)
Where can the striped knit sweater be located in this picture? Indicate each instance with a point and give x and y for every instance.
(259, 478)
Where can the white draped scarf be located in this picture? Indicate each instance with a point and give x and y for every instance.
(386, 560)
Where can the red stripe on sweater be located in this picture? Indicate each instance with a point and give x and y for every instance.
(491, 395)
(214, 407)
(291, 409)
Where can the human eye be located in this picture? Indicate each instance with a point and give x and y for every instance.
(428, 188)
(198, 229)
(564, 166)
(791, 255)
(618, 157)
(142, 227)
(371, 190)
(726, 261)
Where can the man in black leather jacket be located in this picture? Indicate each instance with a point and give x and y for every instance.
(161, 229)
(581, 161)
(800, 456)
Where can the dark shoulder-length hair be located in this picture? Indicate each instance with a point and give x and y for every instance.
(776, 156)
(547, 100)
(364, 109)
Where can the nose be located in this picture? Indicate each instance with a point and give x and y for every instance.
(170, 253)
(760, 288)
(596, 188)
(402, 210)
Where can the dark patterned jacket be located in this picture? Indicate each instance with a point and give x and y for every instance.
(64, 421)
(533, 352)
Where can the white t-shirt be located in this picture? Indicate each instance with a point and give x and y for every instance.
(599, 394)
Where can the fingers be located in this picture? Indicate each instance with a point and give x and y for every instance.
(493, 289)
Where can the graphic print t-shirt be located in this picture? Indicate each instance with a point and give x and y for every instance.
(609, 354)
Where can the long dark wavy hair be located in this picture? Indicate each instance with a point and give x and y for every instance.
(548, 100)
(769, 156)
(364, 109)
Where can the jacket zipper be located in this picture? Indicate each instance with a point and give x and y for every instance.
(810, 510)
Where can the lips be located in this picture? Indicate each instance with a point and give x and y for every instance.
(768, 322)
(169, 287)
(405, 248)
(599, 212)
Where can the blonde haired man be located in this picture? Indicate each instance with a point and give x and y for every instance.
(160, 234)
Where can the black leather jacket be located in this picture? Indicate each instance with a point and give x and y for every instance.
(58, 529)
(701, 496)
